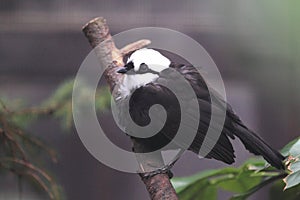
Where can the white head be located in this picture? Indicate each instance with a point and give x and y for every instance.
(141, 68)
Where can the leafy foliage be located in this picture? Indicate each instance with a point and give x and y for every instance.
(293, 178)
(237, 180)
(16, 156)
(18, 148)
(245, 180)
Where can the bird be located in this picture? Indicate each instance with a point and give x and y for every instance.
(144, 71)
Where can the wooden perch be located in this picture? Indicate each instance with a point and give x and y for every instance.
(97, 31)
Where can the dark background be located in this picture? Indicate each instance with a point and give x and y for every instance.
(255, 44)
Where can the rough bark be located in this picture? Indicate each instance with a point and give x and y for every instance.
(158, 183)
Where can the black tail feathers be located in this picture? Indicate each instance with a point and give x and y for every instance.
(257, 146)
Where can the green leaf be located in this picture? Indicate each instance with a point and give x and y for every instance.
(202, 190)
(242, 182)
(286, 150)
(292, 180)
(254, 189)
(293, 151)
(237, 180)
(181, 183)
(295, 166)
(202, 185)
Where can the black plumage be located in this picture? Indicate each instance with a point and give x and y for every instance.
(155, 93)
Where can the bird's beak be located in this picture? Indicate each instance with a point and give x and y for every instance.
(123, 70)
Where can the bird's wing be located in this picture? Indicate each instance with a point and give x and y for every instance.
(233, 126)
(223, 149)
(155, 93)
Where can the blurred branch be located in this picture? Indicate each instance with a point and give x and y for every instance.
(38, 110)
(15, 154)
(97, 32)
(134, 46)
(20, 150)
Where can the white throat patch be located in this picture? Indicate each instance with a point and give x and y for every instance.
(132, 82)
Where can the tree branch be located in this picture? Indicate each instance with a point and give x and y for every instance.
(97, 31)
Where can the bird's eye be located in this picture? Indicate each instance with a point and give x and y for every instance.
(143, 67)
